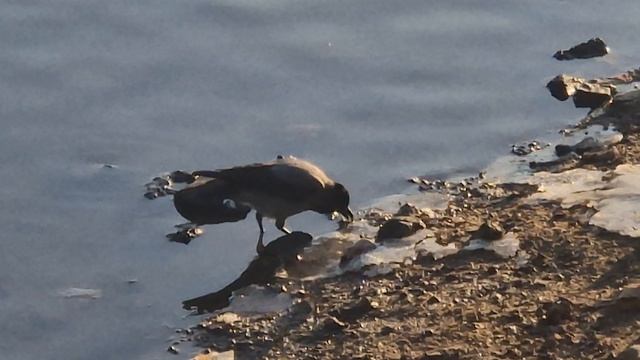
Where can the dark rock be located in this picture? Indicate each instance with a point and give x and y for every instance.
(185, 236)
(331, 324)
(180, 176)
(587, 144)
(359, 248)
(593, 48)
(433, 300)
(556, 312)
(563, 86)
(604, 157)
(586, 94)
(151, 195)
(631, 353)
(490, 231)
(563, 163)
(399, 227)
(353, 312)
(408, 209)
(526, 149)
(592, 96)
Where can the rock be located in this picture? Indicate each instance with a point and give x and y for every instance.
(627, 300)
(399, 227)
(180, 176)
(604, 157)
(173, 350)
(563, 163)
(592, 96)
(408, 209)
(185, 236)
(563, 86)
(331, 324)
(592, 48)
(589, 94)
(631, 353)
(587, 144)
(556, 312)
(359, 248)
(151, 195)
(489, 231)
(526, 149)
(355, 311)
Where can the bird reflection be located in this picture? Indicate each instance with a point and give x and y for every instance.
(283, 251)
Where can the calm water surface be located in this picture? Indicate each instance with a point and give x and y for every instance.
(373, 91)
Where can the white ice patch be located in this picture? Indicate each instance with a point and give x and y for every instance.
(506, 247)
(73, 292)
(403, 252)
(615, 196)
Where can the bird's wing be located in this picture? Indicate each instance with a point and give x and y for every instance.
(292, 180)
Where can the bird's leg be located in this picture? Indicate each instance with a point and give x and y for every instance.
(259, 220)
(280, 226)
(260, 246)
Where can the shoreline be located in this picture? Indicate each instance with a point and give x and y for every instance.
(569, 289)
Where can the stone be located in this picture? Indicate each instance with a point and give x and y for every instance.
(594, 47)
(354, 311)
(408, 209)
(604, 157)
(527, 148)
(359, 248)
(180, 176)
(489, 230)
(561, 164)
(585, 93)
(399, 227)
(592, 96)
(556, 312)
(331, 324)
(563, 86)
(587, 144)
(631, 353)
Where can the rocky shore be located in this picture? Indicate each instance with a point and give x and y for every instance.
(539, 262)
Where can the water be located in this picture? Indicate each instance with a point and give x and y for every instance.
(373, 91)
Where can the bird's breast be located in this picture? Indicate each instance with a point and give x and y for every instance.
(271, 206)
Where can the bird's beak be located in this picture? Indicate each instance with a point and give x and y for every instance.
(346, 212)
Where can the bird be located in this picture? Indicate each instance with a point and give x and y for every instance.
(282, 188)
(204, 201)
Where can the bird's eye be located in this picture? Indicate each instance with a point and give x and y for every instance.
(228, 203)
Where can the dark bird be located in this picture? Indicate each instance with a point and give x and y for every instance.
(282, 188)
(205, 201)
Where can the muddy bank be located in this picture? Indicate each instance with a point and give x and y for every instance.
(538, 260)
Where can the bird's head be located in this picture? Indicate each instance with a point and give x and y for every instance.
(338, 200)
